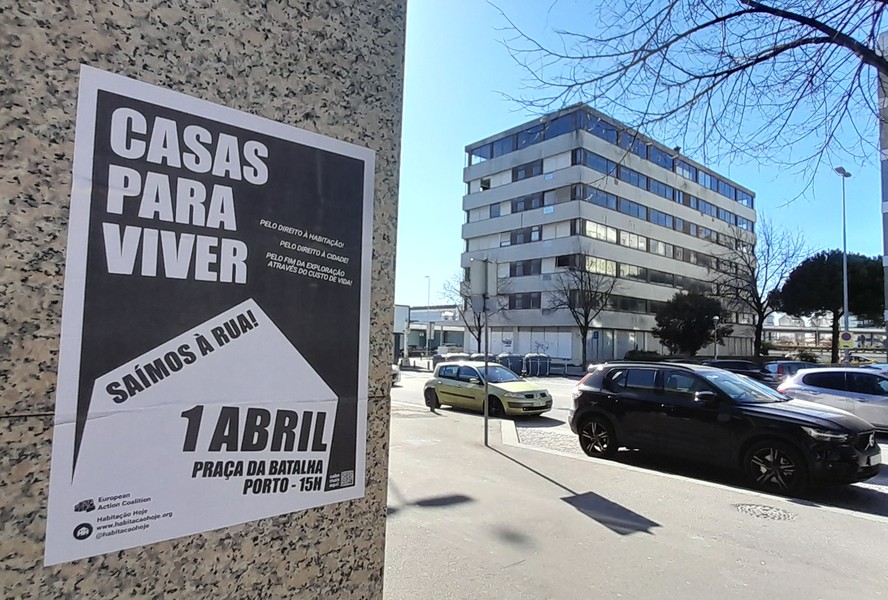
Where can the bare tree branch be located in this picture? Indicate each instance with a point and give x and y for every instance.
(584, 293)
(746, 279)
(786, 80)
(456, 291)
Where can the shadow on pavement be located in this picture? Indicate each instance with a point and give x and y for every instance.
(538, 422)
(615, 517)
(868, 497)
(431, 502)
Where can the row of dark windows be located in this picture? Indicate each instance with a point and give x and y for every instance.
(627, 271)
(616, 302)
(635, 241)
(581, 156)
(584, 120)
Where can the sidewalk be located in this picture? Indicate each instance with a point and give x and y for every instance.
(510, 522)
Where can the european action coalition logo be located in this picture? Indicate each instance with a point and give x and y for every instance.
(83, 531)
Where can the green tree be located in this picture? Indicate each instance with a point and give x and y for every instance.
(815, 288)
(687, 323)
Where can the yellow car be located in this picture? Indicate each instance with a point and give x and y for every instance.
(461, 385)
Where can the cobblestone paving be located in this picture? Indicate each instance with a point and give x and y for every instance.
(549, 438)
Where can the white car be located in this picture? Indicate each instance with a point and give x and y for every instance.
(862, 392)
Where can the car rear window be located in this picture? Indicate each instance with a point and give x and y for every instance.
(644, 379)
(830, 380)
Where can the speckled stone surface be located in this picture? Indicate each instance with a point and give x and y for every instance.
(330, 66)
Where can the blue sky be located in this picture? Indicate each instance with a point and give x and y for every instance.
(456, 77)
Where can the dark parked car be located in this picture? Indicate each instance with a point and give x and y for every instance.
(745, 367)
(711, 415)
(787, 368)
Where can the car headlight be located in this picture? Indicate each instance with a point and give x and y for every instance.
(825, 435)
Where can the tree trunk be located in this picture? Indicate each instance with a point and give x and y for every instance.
(757, 341)
(584, 335)
(834, 351)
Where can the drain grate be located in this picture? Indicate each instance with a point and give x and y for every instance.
(770, 513)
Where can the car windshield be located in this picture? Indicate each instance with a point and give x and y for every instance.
(499, 374)
(743, 389)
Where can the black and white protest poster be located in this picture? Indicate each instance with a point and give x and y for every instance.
(213, 363)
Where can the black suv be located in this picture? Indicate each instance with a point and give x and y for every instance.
(715, 416)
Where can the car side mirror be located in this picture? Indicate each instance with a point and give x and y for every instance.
(474, 380)
(706, 398)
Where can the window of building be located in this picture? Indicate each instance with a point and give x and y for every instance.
(598, 163)
(600, 232)
(531, 169)
(632, 240)
(626, 304)
(706, 208)
(525, 267)
(633, 177)
(485, 184)
(659, 218)
(526, 300)
(727, 217)
(562, 125)
(661, 189)
(726, 189)
(654, 306)
(504, 146)
(601, 266)
(480, 154)
(661, 248)
(601, 129)
(679, 253)
(526, 235)
(528, 202)
(568, 261)
(630, 142)
(633, 209)
(704, 260)
(744, 198)
(633, 272)
(529, 137)
(660, 157)
(495, 210)
(745, 224)
(707, 180)
(660, 277)
(505, 239)
(685, 170)
(600, 198)
(704, 233)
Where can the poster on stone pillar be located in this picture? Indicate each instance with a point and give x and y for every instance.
(213, 367)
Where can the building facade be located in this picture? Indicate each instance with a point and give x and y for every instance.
(577, 189)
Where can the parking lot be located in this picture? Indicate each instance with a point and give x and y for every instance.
(551, 433)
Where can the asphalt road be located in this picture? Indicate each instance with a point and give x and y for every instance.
(550, 432)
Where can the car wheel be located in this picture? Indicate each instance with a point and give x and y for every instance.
(431, 398)
(495, 408)
(597, 438)
(776, 466)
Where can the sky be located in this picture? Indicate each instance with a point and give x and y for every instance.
(458, 79)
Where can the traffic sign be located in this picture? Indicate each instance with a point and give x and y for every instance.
(846, 341)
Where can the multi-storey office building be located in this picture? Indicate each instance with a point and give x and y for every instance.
(579, 189)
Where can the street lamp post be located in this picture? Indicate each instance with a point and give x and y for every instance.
(715, 320)
(845, 175)
(428, 314)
